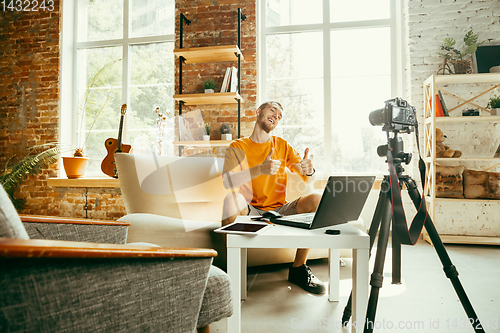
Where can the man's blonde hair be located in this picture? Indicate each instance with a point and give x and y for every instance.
(265, 104)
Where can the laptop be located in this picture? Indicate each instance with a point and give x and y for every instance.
(342, 201)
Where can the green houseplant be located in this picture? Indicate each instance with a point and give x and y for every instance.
(461, 65)
(28, 162)
(209, 86)
(208, 129)
(494, 105)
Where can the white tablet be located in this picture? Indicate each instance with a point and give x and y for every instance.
(245, 228)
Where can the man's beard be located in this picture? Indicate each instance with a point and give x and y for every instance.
(265, 125)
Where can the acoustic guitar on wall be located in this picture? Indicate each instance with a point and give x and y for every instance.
(108, 165)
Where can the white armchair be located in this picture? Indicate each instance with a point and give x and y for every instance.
(177, 201)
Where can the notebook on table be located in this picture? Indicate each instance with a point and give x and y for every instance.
(342, 201)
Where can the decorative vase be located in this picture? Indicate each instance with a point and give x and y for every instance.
(495, 112)
(75, 166)
(462, 66)
(209, 91)
(227, 136)
(206, 137)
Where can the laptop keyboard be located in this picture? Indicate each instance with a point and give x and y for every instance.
(301, 218)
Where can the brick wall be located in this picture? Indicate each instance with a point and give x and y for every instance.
(29, 85)
(29, 112)
(29, 90)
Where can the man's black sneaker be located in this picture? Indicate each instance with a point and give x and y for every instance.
(304, 278)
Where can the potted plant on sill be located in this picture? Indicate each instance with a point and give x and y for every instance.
(457, 58)
(225, 131)
(494, 105)
(76, 165)
(208, 129)
(209, 86)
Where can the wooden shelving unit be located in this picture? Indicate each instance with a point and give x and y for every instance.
(207, 54)
(214, 98)
(430, 87)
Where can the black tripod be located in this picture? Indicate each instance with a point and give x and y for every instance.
(382, 221)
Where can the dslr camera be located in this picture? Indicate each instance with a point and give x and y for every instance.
(396, 116)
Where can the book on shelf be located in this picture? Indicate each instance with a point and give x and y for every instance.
(439, 107)
(225, 83)
(233, 86)
(443, 104)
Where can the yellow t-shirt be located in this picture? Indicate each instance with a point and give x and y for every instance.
(263, 192)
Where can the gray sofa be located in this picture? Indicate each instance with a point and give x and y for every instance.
(55, 284)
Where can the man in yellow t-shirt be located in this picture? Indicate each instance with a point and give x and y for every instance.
(255, 166)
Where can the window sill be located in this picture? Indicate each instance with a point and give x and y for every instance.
(83, 182)
(114, 183)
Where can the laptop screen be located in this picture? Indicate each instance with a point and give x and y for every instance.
(343, 200)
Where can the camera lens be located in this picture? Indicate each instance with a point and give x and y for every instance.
(377, 117)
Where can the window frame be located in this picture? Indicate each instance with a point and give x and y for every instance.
(394, 22)
(68, 120)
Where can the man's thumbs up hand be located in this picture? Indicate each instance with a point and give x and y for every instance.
(269, 166)
(268, 157)
(306, 166)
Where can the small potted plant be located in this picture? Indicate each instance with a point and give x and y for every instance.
(209, 86)
(208, 128)
(494, 105)
(461, 65)
(225, 131)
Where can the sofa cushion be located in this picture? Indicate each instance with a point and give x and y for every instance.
(217, 300)
(171, 232)
(10, 223)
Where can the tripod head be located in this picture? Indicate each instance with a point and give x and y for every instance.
(396, 146)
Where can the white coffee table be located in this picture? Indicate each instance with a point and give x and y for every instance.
(288, 237)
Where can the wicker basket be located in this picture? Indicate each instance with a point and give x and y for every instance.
(462, 66)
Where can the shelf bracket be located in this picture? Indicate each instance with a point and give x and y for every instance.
(183, 19)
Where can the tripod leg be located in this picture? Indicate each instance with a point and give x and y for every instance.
(448, 267)
(374, 226)
(378, 269)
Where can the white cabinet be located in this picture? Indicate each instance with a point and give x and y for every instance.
(462, 220)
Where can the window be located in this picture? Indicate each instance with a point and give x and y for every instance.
(122, 54)
(329, 62)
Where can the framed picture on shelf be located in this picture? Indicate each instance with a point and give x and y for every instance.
(486, 57)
